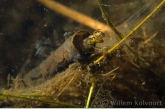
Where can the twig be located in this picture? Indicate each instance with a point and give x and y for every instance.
(111, 72)
(76, 16)
(149, 39)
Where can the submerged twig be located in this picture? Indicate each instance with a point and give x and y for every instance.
(74, 15)
(149, 39)
(111, 72)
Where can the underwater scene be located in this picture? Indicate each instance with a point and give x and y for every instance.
(82, 53)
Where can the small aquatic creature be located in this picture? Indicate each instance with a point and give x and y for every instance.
(78, 46)
(90, 42)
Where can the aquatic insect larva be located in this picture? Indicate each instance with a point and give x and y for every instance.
(78, 46)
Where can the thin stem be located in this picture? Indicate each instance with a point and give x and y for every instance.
(90, 94)
(108, 20)
(35, 99)
(130, 33)
(119, 34)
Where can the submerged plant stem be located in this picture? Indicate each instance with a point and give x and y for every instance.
(118, 33)
(130, 33)
(147, 65)
(90, 94)
(108, 20)
(36, 99)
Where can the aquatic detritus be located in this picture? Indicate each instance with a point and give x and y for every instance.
(77, 47)
(43, 48)
(68, 34)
